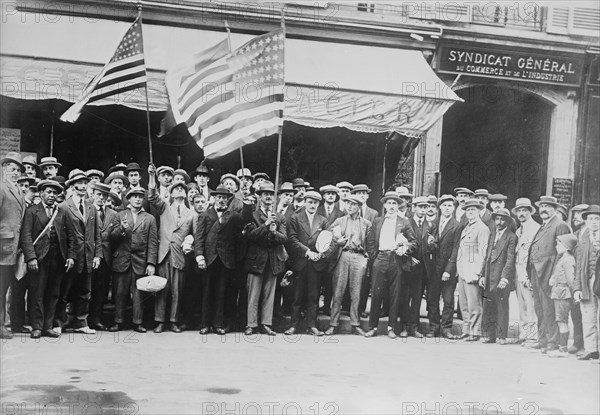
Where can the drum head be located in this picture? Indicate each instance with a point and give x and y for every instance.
(323, 241)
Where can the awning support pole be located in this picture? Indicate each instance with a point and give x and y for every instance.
(139, 6)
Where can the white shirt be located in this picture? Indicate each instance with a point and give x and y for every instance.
(311, 218)
(499, 235)
(387, 237)
(443, 222)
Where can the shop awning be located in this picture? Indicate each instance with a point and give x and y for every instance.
(370, 89)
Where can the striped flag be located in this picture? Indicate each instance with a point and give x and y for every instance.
(126, 71)
(229, 99)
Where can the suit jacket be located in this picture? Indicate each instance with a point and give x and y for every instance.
(302, 237)
(402, 228)
(370, 213)
(335, 213)
(111, 221)
(487, 219)
(12, 208)
(264, 246)
(500, 262)
(336, 250)
(471, 250)
(88, 242)
(447, 247)
(34, 222)
(582, 261)
(214, 238)
(137, 246)
(542, 251)
(172, 229)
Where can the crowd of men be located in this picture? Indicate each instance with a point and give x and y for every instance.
(235, 257)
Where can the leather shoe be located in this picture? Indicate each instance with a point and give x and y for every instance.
(159, 328)
(358, 331)
(114, 327)
(588, 356)
(536, 346)
(432, 334)
(204, 330)
(416, 334)
(392, 335)
(84, 330)
(330, 331)
(220, 331)
(139, 328)
(364, 315)
(98, 327)
(403, 333)
(371, 333)
(50, 333)
(447, 334)
(472, 339)
(571, 349)
(250, 331)
(21, 329)
(36, 334)
(290, 332)
(463, 336)
(314, 331)
(488, 341)
(174, 328)
(268, 330)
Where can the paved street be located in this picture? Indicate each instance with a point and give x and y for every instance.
(133, 373)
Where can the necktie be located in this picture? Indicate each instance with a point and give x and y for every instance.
(49, 211)
(102, 214)
(81, 206)
(178, 210)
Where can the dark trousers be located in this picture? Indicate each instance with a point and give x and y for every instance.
(236, 298)
(213, 295)
(7, 274)
(124, 285)
(410, 297)
(386, 276)
(495, 315)
(44, 290)
(577, 325)
(17, 308)
(437, 287)
(364, 292)
(77, 288)
(306, 292)
(544, 309)
(100, 281)
(284, 298)
(327, 289)
(192, 291)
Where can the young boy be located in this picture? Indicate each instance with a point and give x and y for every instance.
(562, 285)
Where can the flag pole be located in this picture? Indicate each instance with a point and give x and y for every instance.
(229, 44)
(139, 6)
(52, 133)
(278, 164)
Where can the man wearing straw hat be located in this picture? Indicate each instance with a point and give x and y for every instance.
(49, 166)
(542, 258)
(31, 167)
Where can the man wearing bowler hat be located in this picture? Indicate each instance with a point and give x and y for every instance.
(48, 245)
(528, 228)
(201, 176)
(49, 166)
(134, 175)
(542, 258)
(390, 238)
(12, 208)
(586, 279)
(498, 278)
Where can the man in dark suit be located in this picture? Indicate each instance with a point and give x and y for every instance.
(411, 288)
(77, 284)
(306, 262)
(443, 279)
(47, 242)
(390, 238)
(214, 248)
(498, 278)
(107, 219)
(135, 255)
(284, 296)
(265, 259)
(540, 264)
(12, 208)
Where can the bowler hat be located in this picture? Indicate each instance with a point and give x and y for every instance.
(497, 197)
(298, 182)
(391, 195)
(182, 173)
(361, 188)
(344, 185)
(94, 172)
(420, 200)
(404, 192)
(164, 169)
(568, 240)
(244, 173)
(313, 195)
(473, 203)
(50, 161)
(549, 200)
(13, 157)
(61, 180)
(592, 210)
(76, 175)
(286, 187)
(135, 191)
(232, 177)
(446, 198)
(133, 166)
(354, 199)
(118, 167)
(201, 169)
(463, 190)
(523, 202)
(221, 190)
(101, 187)
(266, 187)
(260, 176)
(117, 175)
(49, 183)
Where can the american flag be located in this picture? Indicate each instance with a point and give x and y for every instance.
(126, 71)
(229, 99)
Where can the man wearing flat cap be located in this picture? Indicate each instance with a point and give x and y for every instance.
(12, 208)
(528, 228)
(344, 190)
(286, 197)
(542, 257)
(77, 285)
(258, 180)
(432, 209)
(164, 176)
(48, 244)
(577, 221)
(49, 166)
(498, 279)
(174, 226)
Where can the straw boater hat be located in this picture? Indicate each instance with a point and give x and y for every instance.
(592, 210)
(13, 157)
(75, 175)
(49, 183)
(344, 185)
(391, 195)
(313, 195)
(101, 187)
(463, 190)
(523, 202)
(568, 240)
(404, 192)
(549, 200)
(473, 203)
(446, 198)
(50, 161)
(94, 172)
(420, 200)
(481, 192)
(117, 175)
(361, 188)
(241, 173)
(232, 177)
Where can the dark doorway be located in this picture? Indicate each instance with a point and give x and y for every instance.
(498, 140)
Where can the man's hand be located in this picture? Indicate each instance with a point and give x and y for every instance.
(577, 295)
(69, 264)
(313, 256)
(445, 276)
(270, 219)
(527, 284)
(201, 262)
(150, 269)
(151, 169)
(503, 283)
(124, 223)
(249, 200)
(342, 240)
(482, 282)
(96, 263)
(32, 265)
